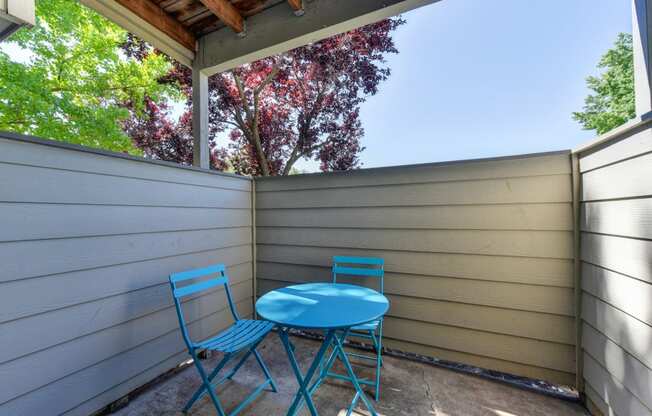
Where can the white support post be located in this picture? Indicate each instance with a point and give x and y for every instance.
(201, 150)
(642, 36)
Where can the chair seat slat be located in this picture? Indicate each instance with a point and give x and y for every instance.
(242, 335)
(238, 336)
(228, 334)
(365, 327)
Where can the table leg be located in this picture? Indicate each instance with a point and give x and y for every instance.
(304, 382)
(338, 352)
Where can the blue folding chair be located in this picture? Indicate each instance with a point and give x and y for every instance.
(371, 267)
(243, 336)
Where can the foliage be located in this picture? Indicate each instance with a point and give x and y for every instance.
(612, 102)
(160, 138)
(78, 84)
(301, 104)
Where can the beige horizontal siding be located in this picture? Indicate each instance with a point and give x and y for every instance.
(535, 271)
(540, 326)
(616, 254)
(420, 321)
(506, 167)
(546, 299)
(88, 241)
(510, 367)
(539, 189)
(479, 255)
(550, 217)
(545, 244)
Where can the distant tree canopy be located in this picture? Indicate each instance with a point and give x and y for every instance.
(88, 81)
(78, 85)
(612, 102)
(302, 104)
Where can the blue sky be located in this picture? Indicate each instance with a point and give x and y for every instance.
(488, 78)
(484, 78)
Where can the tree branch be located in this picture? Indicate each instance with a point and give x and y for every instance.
(253, 135)
(241, 92)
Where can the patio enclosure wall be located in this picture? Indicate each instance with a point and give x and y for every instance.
(87, 240)
(479, 254)
(479, 258)
(616, 224)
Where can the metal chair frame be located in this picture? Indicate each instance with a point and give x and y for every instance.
(372, 331)
(244, 335)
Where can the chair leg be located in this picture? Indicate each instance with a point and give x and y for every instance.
(354, 380)
(259, 359)
(240, 364)
(379, 360)
(206, 384)
(328, 364)
(265, 370)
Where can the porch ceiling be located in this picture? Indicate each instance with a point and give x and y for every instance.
(216, 35)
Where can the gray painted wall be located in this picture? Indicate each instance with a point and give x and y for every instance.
(87, 240)
(479, 254)
(616, 225)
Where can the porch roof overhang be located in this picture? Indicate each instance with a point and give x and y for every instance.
(217, 35)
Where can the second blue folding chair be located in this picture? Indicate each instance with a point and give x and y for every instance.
(361, 267)
(241, 338)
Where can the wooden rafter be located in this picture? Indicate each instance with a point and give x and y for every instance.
(297, 6)
(227, 13)
(157, 17)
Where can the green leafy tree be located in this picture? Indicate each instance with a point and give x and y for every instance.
(612, 102)
(78, 85)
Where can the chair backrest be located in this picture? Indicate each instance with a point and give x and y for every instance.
(350, 266)
(217, 277)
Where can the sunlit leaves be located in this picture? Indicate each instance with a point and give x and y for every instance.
(612, 102)
(303, 104)
(78, 79)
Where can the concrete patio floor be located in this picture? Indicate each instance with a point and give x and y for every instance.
(408, 388)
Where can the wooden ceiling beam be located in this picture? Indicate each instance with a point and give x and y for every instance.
(297, 6)
(274, 30)
(227, 13)
(157, 17)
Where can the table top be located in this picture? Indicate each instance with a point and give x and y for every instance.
(322, 305)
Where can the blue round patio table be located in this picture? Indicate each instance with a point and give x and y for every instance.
(331, 307)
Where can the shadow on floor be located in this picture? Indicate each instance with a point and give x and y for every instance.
(408, 388)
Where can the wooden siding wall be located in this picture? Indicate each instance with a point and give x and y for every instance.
(479, 254)
(616, 225)
(87, 241)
